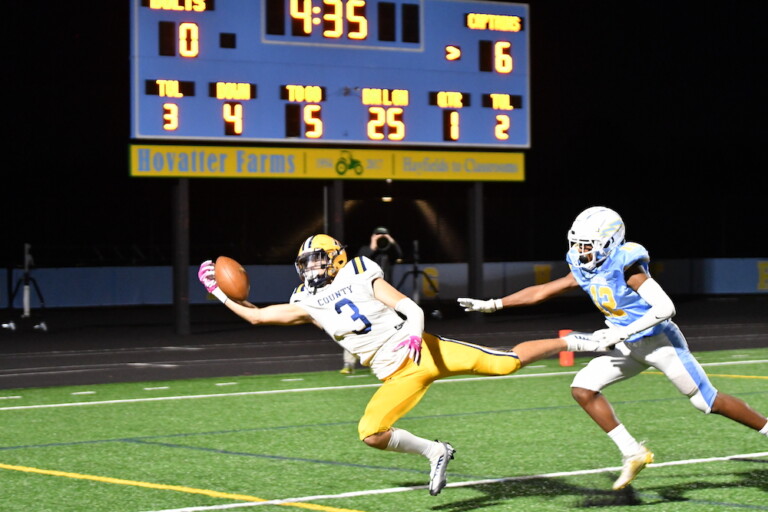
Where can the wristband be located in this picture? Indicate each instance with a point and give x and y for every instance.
(497, 304)
(220, 295)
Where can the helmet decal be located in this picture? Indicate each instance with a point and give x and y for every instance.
(594, 235)
(611, 228)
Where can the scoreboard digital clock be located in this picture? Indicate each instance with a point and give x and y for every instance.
(350, 72)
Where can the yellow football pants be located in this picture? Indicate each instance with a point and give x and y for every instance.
(440, 358)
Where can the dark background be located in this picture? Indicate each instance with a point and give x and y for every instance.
(656, 109)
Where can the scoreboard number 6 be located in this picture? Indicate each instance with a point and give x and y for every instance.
(496, 56)
(503, 62)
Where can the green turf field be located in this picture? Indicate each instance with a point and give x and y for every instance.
(247, 442)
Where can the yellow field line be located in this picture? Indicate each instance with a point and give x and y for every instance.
(724, 375)
(164, 487)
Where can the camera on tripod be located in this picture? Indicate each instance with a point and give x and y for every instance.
(26, 283)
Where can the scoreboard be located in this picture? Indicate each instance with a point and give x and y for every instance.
(428, 73)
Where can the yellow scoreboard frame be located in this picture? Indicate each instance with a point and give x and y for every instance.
(179, 161)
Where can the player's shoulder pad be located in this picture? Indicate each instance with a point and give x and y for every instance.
(364, 267)
(361, 264)
(632, 252)
(298, 292)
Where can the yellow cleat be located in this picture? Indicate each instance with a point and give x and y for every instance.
(631, 466)
(347, 370)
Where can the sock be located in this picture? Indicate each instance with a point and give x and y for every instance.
(624, 441)
(764, 430)
(404, 442)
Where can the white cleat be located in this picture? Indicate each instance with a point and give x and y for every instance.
(438, 467)
(631, 466)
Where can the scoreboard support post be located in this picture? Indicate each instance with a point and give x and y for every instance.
(181, 256)
(336, 210)
(476, 240)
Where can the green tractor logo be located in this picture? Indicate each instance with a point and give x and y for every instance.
(346, 162)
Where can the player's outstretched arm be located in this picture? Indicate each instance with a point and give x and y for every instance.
(526, 297)
(277, 314)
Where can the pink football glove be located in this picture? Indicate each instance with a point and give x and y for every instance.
(207, 276)
(413, 343)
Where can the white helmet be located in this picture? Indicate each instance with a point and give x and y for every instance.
(594, 234)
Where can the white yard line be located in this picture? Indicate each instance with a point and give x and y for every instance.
(265, 392)
(327, 388)
(370, 492)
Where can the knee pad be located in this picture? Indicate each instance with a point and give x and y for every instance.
(698, 401)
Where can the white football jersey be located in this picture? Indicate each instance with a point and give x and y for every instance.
(347, 310)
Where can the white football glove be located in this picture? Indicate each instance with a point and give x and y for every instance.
(607, 338)
(483, 306)
(582, 342)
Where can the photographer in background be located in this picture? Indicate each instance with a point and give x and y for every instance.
(384, 250)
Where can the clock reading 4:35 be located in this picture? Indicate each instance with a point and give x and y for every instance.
(332, 16)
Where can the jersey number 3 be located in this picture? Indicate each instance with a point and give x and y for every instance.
(356, 316)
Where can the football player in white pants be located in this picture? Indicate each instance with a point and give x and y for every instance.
(638, 312)
(367, 316)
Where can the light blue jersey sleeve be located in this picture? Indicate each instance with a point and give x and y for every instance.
(609, 291)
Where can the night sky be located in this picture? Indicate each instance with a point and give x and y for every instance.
(653, 109)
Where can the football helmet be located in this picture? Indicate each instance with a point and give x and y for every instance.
(319, 260)
(595, 233)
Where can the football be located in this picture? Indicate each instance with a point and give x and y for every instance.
(232, 278)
